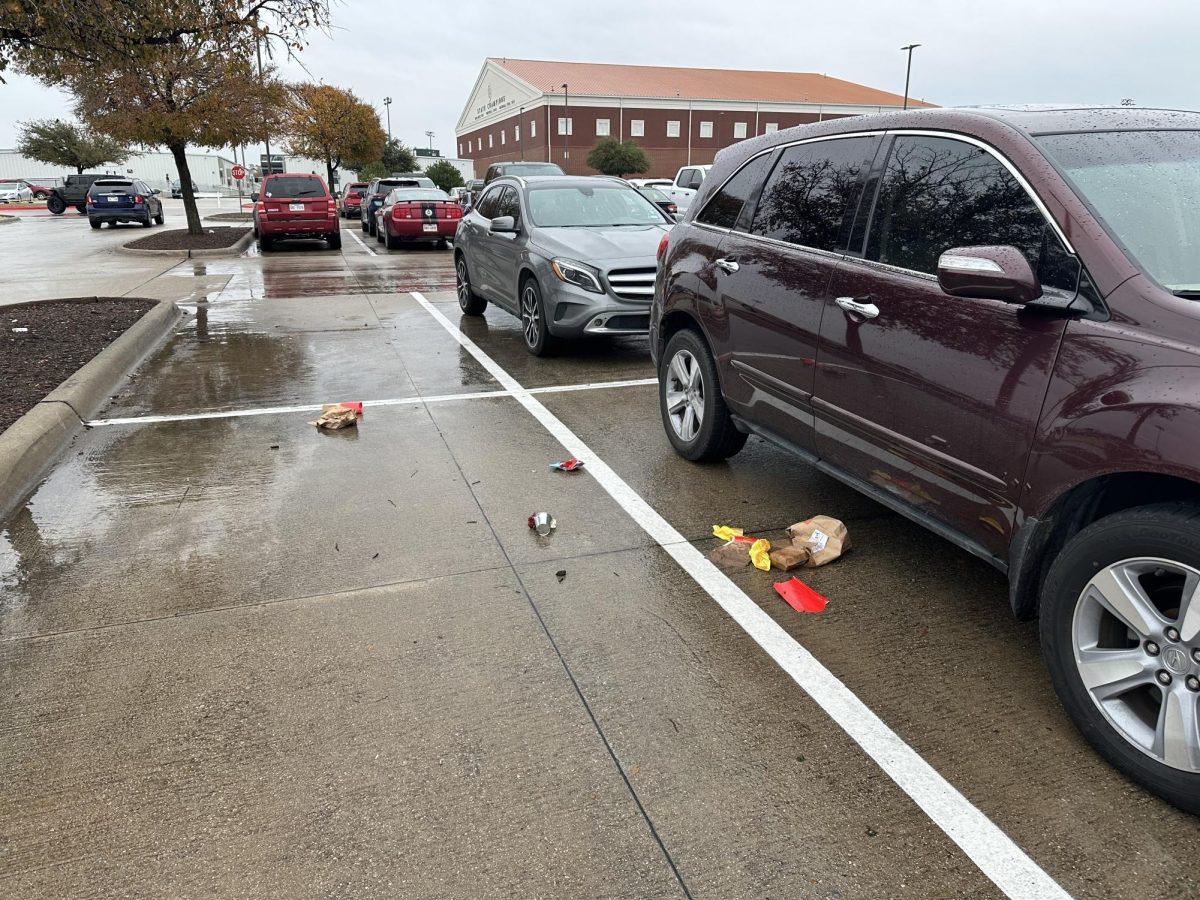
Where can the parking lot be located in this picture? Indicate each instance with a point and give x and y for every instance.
(245, 657)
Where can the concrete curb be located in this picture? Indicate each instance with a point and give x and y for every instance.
(232, 250)
(6, 220)
(34, 442)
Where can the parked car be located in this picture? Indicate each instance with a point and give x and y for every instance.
(379, 188)
(114, 200)
(177, 189)
(38, 190)
(293, 206)
(988, 321)
(567, 255)
(470, 192)
(659, 183)
(661, 200)
(411, 215)
(352, 199)
(15, 192)
(521, 169)
(456, 193)
(687, 181)
(72, 192)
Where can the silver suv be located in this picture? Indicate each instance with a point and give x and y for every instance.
(570, 256)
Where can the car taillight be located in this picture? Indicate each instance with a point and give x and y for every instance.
(261, 208)
(662, 247)
(137, 198)
(332, 205)
(453, 212)
(672, 208)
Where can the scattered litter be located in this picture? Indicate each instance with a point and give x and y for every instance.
(567, 465)
(355, 405)
(335, 416)
(543, 523)
(393, 502)
(726, 532)
(824, 537)
(789, 557)
(274, 446)
(800, 597)
(336, 547)
(560, 575)
(376, 556)
(730, 556)
(760, 552)
(20, 330)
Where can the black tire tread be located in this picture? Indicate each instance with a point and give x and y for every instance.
(724, 439)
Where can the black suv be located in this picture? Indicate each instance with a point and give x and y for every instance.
(379, 188)
(520, 169)
(72, 192)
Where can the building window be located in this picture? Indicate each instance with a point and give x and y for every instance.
(706, 129)
(516, 132)
(602, 128)
(533, 128)
(637, 127)
(460, 150)
(739, 130)
(503, 135)
(489, 142)
(771, 128)
(564, 126)
(673, 128)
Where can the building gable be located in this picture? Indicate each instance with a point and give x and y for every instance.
(497, 93)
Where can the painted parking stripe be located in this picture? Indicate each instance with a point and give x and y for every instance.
(358, 240)
(989, 848)
(393, 401)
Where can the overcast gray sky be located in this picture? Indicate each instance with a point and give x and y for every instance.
(427, 56)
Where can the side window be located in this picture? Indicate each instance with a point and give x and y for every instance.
(939, 193)
(723, 209)
(810, 191)
(490, 203)
(508, 205)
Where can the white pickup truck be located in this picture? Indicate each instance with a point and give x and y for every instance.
(687, 180)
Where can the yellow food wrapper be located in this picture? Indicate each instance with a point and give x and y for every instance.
(760, 554)
(726, 532)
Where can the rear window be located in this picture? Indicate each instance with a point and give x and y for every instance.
(294, 187)
(418, 194)
(530, 169)
(112, 182)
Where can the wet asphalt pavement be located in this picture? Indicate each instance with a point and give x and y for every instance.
(240, 657)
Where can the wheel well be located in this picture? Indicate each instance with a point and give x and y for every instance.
(675, 322)
(1079, 507)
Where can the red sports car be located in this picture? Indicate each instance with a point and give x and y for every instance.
(417, 214)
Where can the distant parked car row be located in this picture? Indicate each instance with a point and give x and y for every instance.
(114, 200)
(16, 190)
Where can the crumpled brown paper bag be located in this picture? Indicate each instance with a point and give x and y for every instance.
(335, 416)
(824, 537)
(788, 557)
(731, 556)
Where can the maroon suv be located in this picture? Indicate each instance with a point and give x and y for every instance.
(988, 321)
(295, 206)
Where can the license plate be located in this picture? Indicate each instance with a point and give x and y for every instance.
(431, 227)
(296, 207)
(112, 199)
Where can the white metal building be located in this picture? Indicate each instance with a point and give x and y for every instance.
(210, 171)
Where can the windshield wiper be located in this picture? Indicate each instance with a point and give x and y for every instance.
(1188, 294)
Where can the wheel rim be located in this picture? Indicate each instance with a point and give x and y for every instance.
(464, 284)
(685, 395)
(1136, 641)
(531, 316)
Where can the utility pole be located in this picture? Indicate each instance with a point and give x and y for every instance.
(908, 72)
(520, 133)
(567, 129)
(266, 137)
(387, 104)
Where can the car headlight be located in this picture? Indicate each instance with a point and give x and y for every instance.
(577, 273)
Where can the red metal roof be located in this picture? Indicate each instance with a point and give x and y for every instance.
(605, 80)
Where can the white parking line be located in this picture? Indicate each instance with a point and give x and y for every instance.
(989, 848)
(358, 241)
(393, 401)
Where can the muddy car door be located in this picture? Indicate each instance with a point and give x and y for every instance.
(930, 399)
(774, 277)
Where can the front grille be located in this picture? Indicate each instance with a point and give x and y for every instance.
(633, 284)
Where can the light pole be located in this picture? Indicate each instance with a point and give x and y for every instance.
(520, 130)
(429, 134)
(266, 135)
(567, 116)
(387, 104)
(908, 72)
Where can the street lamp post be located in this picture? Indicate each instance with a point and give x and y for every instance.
(567, 129)
(520, 130)
(908, 72)
(387, 104)
(266, 135)
(429, 134)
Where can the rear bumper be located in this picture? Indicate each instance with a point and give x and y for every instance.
(300, 229)
(413, 230)
(100, 214)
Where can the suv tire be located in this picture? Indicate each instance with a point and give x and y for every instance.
(468, 301)
(1148, 559)
(335, 240)
(696, 419)
(81, 208)
(95, 223)
(56, 205)
(160, 218)
(265, 244)
(147, 222)
(538, 339)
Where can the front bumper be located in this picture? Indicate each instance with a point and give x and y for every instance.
(574, 312)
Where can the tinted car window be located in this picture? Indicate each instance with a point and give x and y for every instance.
(293, 187)
(939, 193)
(723, 209)
(531, 169)
(811, 189)
(489, 203)
(602, 205)
(401, 195)
(509, 204)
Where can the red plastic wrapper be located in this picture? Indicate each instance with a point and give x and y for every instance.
(800, 597)
(355, 405)
(567, 465)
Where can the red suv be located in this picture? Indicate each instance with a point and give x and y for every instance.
(352, 199)
(988, 321)
(295, 206)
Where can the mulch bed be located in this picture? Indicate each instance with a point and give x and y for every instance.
(63, 336)
(179, 239)
(232, 217)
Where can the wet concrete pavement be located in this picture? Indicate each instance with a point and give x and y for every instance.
(241, 657)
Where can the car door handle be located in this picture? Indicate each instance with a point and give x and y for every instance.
(728, 265)
(851, 304)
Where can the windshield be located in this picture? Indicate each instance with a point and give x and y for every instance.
(419, 194)
(294, 187)
(530, 169)
(1145, 185)
(588, 206)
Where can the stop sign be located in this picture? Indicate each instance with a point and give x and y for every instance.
(238, 172)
